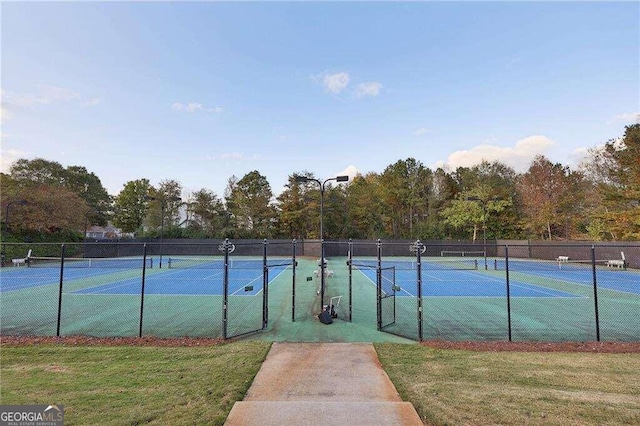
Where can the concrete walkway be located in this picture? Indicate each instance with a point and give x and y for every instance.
(322, 384)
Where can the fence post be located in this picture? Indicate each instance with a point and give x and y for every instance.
(60, 290)
(379, 285)
(265, 286)
(506, 262)
(419, 249)
(144, 271)
(225, 286)
(349, 257)
(595, 290)
(293, 284)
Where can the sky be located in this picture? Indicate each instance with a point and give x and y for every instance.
(198, 92)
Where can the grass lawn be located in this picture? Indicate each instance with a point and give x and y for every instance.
(199, 385)
(116, 385)
(453, 387)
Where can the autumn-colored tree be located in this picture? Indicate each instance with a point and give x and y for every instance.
(52, 209)
(548, 193)
(77, 179)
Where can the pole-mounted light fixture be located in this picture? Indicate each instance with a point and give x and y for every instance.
(305, 179)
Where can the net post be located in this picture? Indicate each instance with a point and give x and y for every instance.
(62, 253)
(144, 272)
(595, 291)
(225, 286)
(293, 284)
(506, 263)
(265, 286)
(379, 284)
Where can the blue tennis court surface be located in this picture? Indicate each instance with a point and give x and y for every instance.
(23, 278)
(627, 281)
(461, 283)
(189, 282)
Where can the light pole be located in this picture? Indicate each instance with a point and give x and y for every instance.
(305, 179)
(483, 203)
(163, 203)
(6, 226)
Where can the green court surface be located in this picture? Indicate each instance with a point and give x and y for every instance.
(455, 305)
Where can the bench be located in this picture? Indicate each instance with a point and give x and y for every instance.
(617, 263)
(23, 261)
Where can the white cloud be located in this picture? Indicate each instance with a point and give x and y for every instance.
(93, 102)
(47, 95)
(579, 155)
(371, 88)
(195, 106)
(5, 114)
(630, 117)
(519, 157)
(335, 83)
(351, 171)
(9, 156)
(421, 131)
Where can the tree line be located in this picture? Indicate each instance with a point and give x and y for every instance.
(600, 200)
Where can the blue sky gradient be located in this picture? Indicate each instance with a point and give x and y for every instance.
(201, 91)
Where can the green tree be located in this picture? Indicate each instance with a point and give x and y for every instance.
(130, 205)
(163, 208)
(291, 209)
(366, 211)
(206, 215)
(249, 201)
(38, 172)
(405, 187)
(88, 186)
(622, 193)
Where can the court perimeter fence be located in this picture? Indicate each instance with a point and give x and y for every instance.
(504, 290)
(218, 289)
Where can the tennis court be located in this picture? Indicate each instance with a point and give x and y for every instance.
(107, 297)
(534, 300)
(181, 276)
(443, 283)
(197, 293)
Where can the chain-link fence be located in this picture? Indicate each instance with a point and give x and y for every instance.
(533, 292)
(217, 289)
(512, 290)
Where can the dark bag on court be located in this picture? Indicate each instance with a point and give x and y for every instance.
(325, 317)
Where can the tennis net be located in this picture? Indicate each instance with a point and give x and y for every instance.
(427, 264)
(85, 262)
(218, 263)
(461, 253)
(548, 265)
